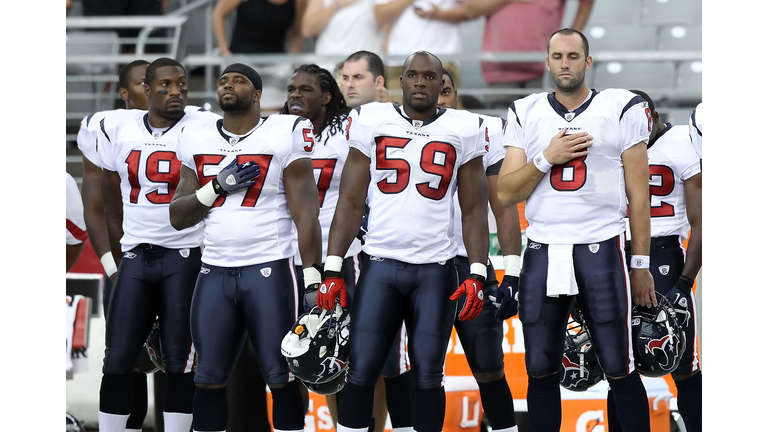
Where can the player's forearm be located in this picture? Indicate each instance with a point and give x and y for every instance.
(344, 228)
(186, 211)
(387, 13)
(93, 208)
(515, 187)
(507, 221)
(473, 200)
(640, 228)
(693, 207)
(310, 240)
(636, 176)
(113, 211)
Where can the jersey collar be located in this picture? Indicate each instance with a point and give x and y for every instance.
(234, 139)
(564, 112)
(158, 134)
(417, 123)
(667, 126)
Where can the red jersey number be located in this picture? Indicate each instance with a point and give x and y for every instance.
(252, 194)
(569, 176)
(308, 138)
(662, 184)
(437, 158)
(326, 167)
(162, 167)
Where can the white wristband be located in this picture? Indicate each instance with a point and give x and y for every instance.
(311, 276)
(206, 195)
(512, 265)
(333, 263)
(640, 262)
(479, 269)
(541, 162)
(108, 262)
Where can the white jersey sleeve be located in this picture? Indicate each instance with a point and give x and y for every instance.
(76, 233)
(696, 127)
(635, 122)
(87, 137)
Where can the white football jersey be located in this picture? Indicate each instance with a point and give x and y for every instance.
(253, 225)
(414, 165)
(695, 128)
(583, 200)
(145, 159)
(328, 159)
(76, 233)
(89, 128)
(671, 161)
(494, 130)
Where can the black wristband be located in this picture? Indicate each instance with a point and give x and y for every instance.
(217, 187)
(331, 273)
(685, 282)
(477, 277)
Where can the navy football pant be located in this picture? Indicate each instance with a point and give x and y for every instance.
(152, 281)
(388, 293)
(604, 296)
(260, 301)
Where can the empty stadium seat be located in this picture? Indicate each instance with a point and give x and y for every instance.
(676, 116)
(689, 76)
(680, 37)
(604, 37)
(616, 12)
(640, 75)
(665, 12)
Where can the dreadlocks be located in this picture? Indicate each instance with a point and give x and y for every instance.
(337, 110)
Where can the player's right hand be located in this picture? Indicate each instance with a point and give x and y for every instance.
(234, 177)
(333, 286)
(563, 148)
(642, 287)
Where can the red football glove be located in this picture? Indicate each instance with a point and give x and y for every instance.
(473, 288)
(333, 286)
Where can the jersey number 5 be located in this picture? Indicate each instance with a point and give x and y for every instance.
(252, 194)
(437, 158)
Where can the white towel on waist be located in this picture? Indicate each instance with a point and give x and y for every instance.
(561, 279)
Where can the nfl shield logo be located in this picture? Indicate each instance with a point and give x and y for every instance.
(184, 253)
(233, 140)
(664, 269)
(266, 271)
(417, 123)
(594, 248)
(569, 116)
(156, 135)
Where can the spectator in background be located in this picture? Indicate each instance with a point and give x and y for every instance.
(342, 27)
(408, 32)
(513, 26)
(128, 8)
(261, 26)
(76, 233)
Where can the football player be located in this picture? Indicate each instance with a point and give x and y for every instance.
(675, 189)
(362, 81)
(157, 265)
(76, 229)
(575, 156)
(249, 179)
(695, 127)
(414, 157)
(131, 81)
(482, 336)
(313, 94)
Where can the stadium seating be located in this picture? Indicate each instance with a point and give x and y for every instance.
(641, 75)
(680, 37)
(604, 37)
(664, 12)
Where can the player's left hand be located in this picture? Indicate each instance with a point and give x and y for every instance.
(506, 298)
(333, 286)
(641, 284)
(473, 288)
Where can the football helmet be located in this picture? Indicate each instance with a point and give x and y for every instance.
(658, 338)
(579, 369)
(317, 349)
(154, 348)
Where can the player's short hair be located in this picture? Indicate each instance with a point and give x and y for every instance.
(375, 64)
(568, 32)
(450, 77)
(647, 98)
(126, 70)
(410, 58)
(155, 65)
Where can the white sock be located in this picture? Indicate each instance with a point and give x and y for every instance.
(112, 422)
(177, 422)
(342, 428)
